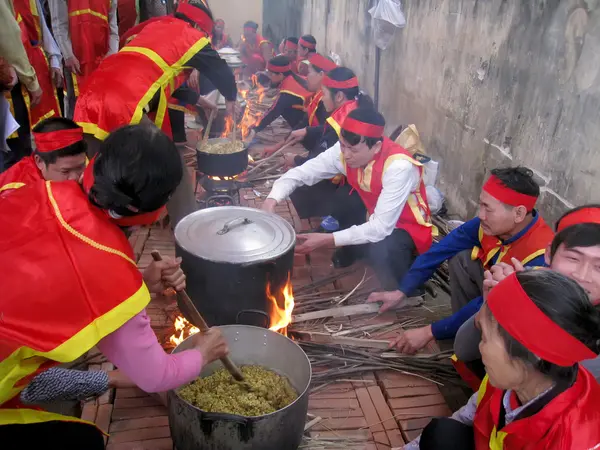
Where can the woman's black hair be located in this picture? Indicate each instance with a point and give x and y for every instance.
(319, 69)
(137, 165)
(366, 115)
(292, 39)
(201, 6)
(282, 60)
(564, 302)
(310, 39)
(56, 124)
(519, 179)
(344, 74)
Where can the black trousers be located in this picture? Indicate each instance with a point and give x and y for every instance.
(390, 258)
(52, 435)
(466, 279)
(447, 434)
(19, 146)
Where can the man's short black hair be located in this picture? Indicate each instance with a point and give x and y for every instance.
(366, 115)
(579, 235)
(310, 39)
(56, 124)
(293, 40)
(519, 179)
(251, 24)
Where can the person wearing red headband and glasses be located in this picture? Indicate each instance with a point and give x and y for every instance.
(59, 156)
(507, 226)
(292, 99)
(254, 49)
(307, 46)
(71, 283)
(290, 50)
(388, 181)
(537, 327)
(574, 252)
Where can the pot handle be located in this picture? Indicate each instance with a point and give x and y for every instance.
(233, 224)
(245, 430)
(254, 311)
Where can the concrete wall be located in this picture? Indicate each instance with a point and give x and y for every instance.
(235, 13)
(488, 83)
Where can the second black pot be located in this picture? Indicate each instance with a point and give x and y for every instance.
(221, 165)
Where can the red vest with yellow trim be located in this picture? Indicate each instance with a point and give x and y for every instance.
(292, 87)
(28, 18)
(311, 109)
(529, 246)
(69, 280)
(571, 421)
(22, 173)
(89, 33)
(129, 16)
(368, 182)
(152, 62)
(336, 119)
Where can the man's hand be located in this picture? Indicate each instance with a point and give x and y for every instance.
(14, 79)
(411, 341)
(296, 136)
(160, 275)
(251, 136)
(499, 272)
(193, 80)
(289, 159)
(390, 300)
(312, 241)
(117, 379)
(72, 64)
(57, 77)
(268, 151)
(211, 344)
(35, 97)
(269, 205)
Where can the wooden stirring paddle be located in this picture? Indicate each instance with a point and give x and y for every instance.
(197, 320)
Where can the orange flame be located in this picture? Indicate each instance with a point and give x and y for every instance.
(281, 317)
(228, 127)
(185, 330)
(222, 178)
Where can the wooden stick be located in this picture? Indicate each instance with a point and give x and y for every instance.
(269, 158)
(326, 338)
(197, 320)
(343, 311)
(208, 127)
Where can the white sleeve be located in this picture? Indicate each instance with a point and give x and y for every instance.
(325, 166)
(48, 43)
(59, 15)
(399, 180)
(113, 38)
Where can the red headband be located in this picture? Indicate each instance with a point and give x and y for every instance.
(307, 44)
(147, 218)
(362, 128)
(250, 29)
(524, 321)
(197, 16)
(508, 196)
(584, 215)
(322, 62)
(291, 45)
(278, 69)
(55, 140)
(333, 84)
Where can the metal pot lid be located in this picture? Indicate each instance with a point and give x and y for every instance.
(235, 234)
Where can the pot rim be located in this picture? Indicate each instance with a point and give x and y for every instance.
(237, 416)
(218, 140)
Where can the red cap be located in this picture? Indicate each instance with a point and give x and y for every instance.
(55, 140)
(291, 45)
(346, 84)
(278, 69)
(583, 215)
(197, 16)
(506, 195)
(362, 128)
(524, 321)
(322, 62)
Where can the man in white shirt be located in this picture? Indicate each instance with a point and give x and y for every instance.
(389, 182)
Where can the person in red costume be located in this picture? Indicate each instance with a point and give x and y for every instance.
(220, 39)
(290, 51)
(537, 327)
(389, 186)
(59, 155)
(254, 49)
(71, 283)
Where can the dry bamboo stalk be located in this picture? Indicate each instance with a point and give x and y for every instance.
(326, 338)
(312, 423)
(364, 328)
(340, 311)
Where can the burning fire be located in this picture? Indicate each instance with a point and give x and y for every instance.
(185, 330)
(228, 127)
(281, 317)
(222, 178)
(252, 114)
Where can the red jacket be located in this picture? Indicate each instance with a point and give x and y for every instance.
(571, 421)
(22, 173)
(311, 109)
(415, 218)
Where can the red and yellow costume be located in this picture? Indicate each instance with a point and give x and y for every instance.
(21, 174)
(55, 305)
(290, 86)
(89, 33)
(337, 117)
(571, 420)
(252, 53)
(415, 218)
(28, 18)
(311, 109)
(129, 15)
(153, 60)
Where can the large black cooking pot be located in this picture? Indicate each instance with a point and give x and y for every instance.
(221, 165)
(230, 254)
(195, 429)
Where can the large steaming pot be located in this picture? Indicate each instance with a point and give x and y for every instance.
(193, 429)
(230, 254)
